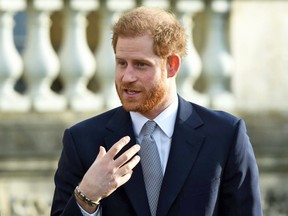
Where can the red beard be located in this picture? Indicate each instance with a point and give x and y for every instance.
(148, 101)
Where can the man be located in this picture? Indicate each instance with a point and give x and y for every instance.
(207, 165)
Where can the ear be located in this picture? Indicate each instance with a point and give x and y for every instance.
(173, 65)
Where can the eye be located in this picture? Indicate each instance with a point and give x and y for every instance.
(141, 65)
(121, 63)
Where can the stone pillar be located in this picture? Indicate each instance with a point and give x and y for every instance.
(110, 11)
(77, 60)
(11, 65)
(217, 61)
(41, 63)
(191, 63)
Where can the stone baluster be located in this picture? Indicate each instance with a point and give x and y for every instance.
(217, 61)
(41, 63)
(78, 64)
(11, 65)
(77, 61)
(191, 63)
(105, 57)
(164, 4)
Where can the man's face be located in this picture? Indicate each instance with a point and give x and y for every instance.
(141, 79)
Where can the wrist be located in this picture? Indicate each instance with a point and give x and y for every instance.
(85, 202)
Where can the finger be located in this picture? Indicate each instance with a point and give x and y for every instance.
(128, 167)
(124, 178)
(113, 151)
(101, 153)
(127, 155)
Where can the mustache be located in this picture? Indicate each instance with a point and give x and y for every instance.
(130, 86)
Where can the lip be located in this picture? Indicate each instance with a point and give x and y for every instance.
(131, 93)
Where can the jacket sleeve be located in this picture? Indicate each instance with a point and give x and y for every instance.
(68, 175)
(240, 193)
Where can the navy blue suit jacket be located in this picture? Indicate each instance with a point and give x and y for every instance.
(211, 168)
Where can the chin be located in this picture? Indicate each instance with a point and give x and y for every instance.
(129, 107)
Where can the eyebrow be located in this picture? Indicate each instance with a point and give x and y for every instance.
(134, 59)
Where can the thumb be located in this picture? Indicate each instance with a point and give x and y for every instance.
(102, 152)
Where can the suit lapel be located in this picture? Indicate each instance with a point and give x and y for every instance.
(186, 143)
(120, 126)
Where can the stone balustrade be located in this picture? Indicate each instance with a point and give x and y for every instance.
(75, 64)
(236, 61)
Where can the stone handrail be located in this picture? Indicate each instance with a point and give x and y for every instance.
(39, 64)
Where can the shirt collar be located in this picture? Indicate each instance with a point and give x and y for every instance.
(165, 120)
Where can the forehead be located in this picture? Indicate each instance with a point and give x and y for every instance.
(139, 46)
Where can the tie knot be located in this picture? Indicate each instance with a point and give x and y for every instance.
(148, 128)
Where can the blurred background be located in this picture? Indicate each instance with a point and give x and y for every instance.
(57, 68)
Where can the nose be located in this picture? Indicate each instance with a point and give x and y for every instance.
(129, 75)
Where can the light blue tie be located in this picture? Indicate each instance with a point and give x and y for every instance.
(151, 165)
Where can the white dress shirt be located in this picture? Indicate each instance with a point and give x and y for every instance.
(162, 136)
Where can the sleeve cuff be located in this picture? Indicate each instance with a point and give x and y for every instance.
(84, 213)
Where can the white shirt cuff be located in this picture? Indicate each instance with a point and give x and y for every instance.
(84, 213)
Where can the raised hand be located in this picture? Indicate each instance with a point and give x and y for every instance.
(106, 174)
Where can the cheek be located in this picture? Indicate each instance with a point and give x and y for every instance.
(118, 76)
(154, 77)
(149, 83)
